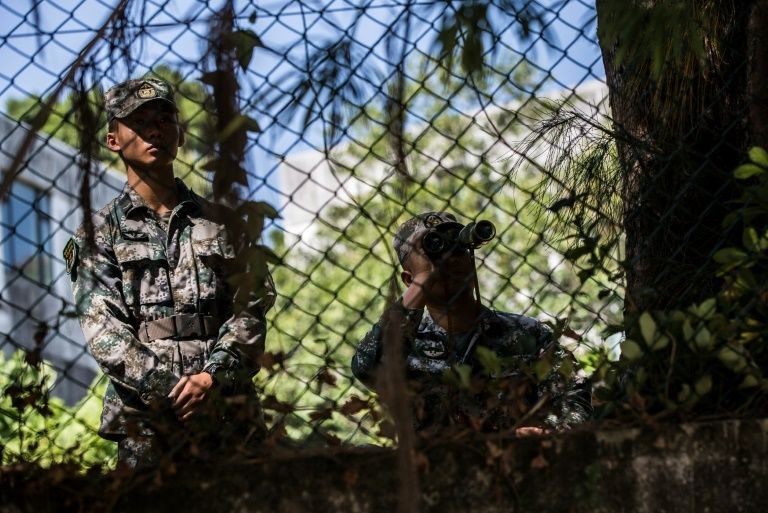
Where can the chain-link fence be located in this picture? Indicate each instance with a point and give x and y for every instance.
(357, 116)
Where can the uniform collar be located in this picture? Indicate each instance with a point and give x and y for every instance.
(131, 203)
(483, 321)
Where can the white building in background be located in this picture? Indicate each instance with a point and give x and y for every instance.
(309, 186)
(40, 215)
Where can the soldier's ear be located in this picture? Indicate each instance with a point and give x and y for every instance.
(112, 143)
(407, 278)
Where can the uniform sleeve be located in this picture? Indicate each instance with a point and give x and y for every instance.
(570, 395)
(241, 338)
(107, 323)
(368, 354)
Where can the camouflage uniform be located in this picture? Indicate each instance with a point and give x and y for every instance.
(155, 304)
(135, 274)
(528, 365)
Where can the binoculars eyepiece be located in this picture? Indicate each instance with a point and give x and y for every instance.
(473, 235)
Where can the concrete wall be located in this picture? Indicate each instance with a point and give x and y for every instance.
(693, 468)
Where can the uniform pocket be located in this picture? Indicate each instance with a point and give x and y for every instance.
(145, 273)
(215, 257)
(165, 356)
(193, 356)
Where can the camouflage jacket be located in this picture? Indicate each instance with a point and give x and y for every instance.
(139, 270)
(513, 357)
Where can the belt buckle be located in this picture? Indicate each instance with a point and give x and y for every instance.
(183, 325)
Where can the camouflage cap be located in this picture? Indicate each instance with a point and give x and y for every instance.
(122, 99)
(425, 221)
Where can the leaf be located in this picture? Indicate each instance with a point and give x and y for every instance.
(568, 332)
(489, 360)
(212, 165)
(749, 382)
(542, 368)
(707, 308)
(254, 226)
(211, 77)
(688, 332)
(244, 42)
(563, 203)
(252, 125)
(271, 402)
(320, 415)
(731, 359)
(262, 207)
(745, 171)
(586, 274)
(268, 254)
(648, 328)
(751, 239)
(325, 377)
(703, 338)
(703, 385)
(268, 360)
(729, 256)
(574, 253)
(463, 373)
(684, 393)
(631, 350)
(660, 343)
(759, 156)
(353, 405)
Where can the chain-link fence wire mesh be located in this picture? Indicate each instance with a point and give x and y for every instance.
(356, 117)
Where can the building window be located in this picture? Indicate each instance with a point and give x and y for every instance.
(27, 233)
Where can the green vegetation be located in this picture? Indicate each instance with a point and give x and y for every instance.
(707, 360)
(37, 427)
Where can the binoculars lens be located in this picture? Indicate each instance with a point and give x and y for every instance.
(433, 243)
(484, 231)
(438, 241)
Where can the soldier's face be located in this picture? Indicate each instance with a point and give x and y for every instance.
(451, 276)
(149, 137)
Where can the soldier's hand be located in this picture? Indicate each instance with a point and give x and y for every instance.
(190, 394)
(528, 431)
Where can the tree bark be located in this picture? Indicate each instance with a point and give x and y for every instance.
(679, 138)
(758, 74)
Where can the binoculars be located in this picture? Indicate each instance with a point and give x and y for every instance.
(440, 241)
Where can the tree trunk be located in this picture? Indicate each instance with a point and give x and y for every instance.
(680, 137)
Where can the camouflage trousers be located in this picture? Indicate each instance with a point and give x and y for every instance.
(142, 452)
(138, 452)
(202, 439)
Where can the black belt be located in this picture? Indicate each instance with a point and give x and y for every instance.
(179, 326)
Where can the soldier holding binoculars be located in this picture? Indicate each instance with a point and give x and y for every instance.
(516, 367)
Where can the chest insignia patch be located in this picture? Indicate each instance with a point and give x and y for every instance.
(432, 349)
(70, 255)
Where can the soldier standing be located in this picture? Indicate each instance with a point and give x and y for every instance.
(515, 366)
(152, 293)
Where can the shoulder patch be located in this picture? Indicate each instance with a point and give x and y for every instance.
(70, 255)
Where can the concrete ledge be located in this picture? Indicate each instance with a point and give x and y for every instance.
(714, 466)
